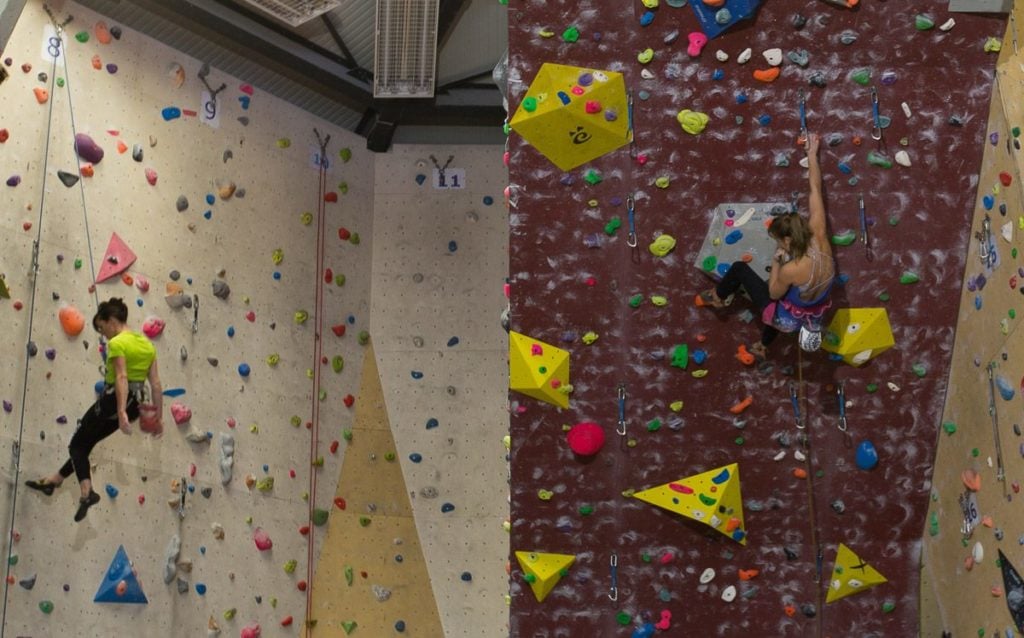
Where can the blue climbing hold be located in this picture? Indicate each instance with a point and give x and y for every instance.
(416, 374)
(266, 468)
(447, 507)
(845, 168)
(454, 341)
(170, 113)
(432, 423)
(208, 214)
(173, 392)
(721, 477)
(202, 550)
(644, 631)
(718, 74)
(351, 319)
(977, 302)
(420, 178)
(466, 577)
(452, 246)
(210, 199)
(700, 356)
(200, 588)
(139, 302)
(1005, 388)
(231, 331)
(244, 101)
(647, 18)
(988, 202)
(722, 269)
(244, 369)
(734, 237)
(488, 200)
(415, 457)
(842, 279)
(764, 120)
(120, 571)
(741, 98)
(277, 275)
(867, 455)
(111, 491)
(400, 626)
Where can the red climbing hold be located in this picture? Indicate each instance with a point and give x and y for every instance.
(343, 234)
(338, 330)
(349, 400)
(339, 502)
(328, 276)
(331, 197)
(1005, 178)
(334, 447)
(304, 530)
(250, 316)
(301, 585)
(4, 135)
(287, 621)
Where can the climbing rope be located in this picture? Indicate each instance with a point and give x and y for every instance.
(317, 354)
(805, 442)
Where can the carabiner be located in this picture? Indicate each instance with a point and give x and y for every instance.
(876, 131)
(630, 207)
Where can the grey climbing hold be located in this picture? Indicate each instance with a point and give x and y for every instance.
(834, 139)
(184, 354)
(33, 349)
(381, 593)
(206, 492)
(956, 120)
(213, 361)
(417, 277)
(240, 193)
(227, 457)
(137, 152)
(799, 57)
(171, 558)
(227, 155)
(221, 289)
(428, 492)
(817, 79)
(848, 37)
(798, 21)
(174, 275)
(723, 16)
(838, 506)
(809, 610)
(182, 586)
(417, 341)
(28, 583)
(244, 120)
(181, 204)
(790, 553)
(68, 179)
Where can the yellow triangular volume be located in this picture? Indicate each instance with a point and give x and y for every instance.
(712, 498)
(859, 334)
(544, 570)
(4, 292)
(538, 369)
(851, 575)
(573, 115)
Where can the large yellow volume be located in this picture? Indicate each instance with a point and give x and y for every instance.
(538, 369)
(543, 571)
(851, 575)
(858, 334)
(712, 498)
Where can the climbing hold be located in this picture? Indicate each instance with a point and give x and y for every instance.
(585, 438)
(46, 606)
(662, 246)
(42, 95)
(844, 238)
(773, 56)
(923, 22)
(697, 41)
(877, 159)
(744, 56)
(908, 277)
(767, 75)
(799, 57)
(71, 320)
(742, 405)
(151, 176)
(867, 455)
(88, 149)
(262, 539)
(645, 56)
(902, 158)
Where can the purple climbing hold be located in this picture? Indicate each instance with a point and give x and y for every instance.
(88, 149)
(111, 68)
(8, 406)
(14, 180)
(50, 353)
(62, 420)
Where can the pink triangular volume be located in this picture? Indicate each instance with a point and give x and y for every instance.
(116, 260)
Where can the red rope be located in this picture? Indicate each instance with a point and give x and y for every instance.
(317, 354)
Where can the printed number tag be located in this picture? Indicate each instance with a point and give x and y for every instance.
(209, 113)
(450, 178)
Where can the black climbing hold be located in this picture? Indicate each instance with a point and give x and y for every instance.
(68, 179)
(206, 492)
(956, 120)
(838, 506)
(33, 349)
(174, 275)
(790, 553)
(115, 32)
(817, 79)
(809, 610)
(137, 152)
(798, 21)
(182, 203)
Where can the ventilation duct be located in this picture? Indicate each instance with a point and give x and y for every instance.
(295, 12)
(405, 50)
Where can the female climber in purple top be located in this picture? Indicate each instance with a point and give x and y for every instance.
(796, 294)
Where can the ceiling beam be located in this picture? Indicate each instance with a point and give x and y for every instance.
(346, 55)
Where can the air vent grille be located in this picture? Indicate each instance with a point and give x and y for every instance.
(405, 60)
(295, 12)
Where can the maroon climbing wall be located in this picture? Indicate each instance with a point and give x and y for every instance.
(938, 75)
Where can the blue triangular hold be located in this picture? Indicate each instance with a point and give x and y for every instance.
(120, 571)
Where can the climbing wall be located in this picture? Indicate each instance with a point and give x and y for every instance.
(438, 277)
(259, 238)
(973, 513)
(803, 495)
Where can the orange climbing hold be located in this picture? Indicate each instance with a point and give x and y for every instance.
(102, 33)
(971, 479)
(742, 405)
(42, 95)
(800, 472)
(96, 62)
(767, 75)
(790, 610)
(746, 258)
(121, 147)
(714, 3)
(744, 355)
(749, 574)
(986, 520)
(87, 170)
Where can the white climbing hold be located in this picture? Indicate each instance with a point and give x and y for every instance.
(646, 74)
(707, 576)
(781, 454)
(729, 593)
(721, 56)
(798, 455)
(1007, 231)
(227, 457)
(805, 162)
(893, 386)
(947, 25)
(773, 56)
(977, 553)
(744, 56)
(903, 158)
(745, 217)
(906, 109)
(171, 556)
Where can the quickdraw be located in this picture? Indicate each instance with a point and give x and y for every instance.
(631, 208)
(621, 430)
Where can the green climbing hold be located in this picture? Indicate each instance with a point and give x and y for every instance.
(389, 456)
(530, 104)
(572, 34)
(832, 338)
(1013, 252)
(636, 300)
(339, 280)
(530, 578)
(82, 36)
(348, 625)
(289, 567)
(363, 337)
(654, 425)
(346, 434)
(343, 187)
(739, 440)
(707, 500)
(60, 82)
(659, 300)
(592, 177)
(320, 516)
(349, 575)
(923, 22)
(623, 618)
(13, 560)
(364, 521)
(354, 239)
(345, 154)
(78, 264)
(909, 277)
(337, 363)
(861, 76)
(883, 296)
(1015, 131)
(871, 388)
(645, 557)
(844, 238)
(46, 606)
(949, 427)
(888, 606)
(877, 159)
(613, 225)
(894, 220)
(933, 524)
(680, 356)
(1012, 313)
(322, 395)
(586, 510)
(975, 452)
(296, 420)
(709, 263)
(919, 369)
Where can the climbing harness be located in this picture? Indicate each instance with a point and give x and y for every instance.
(1000, 470)
(876, 131)
(631, 208)
(621, 430)
(613, 591)
(864, 238)
(795, 400)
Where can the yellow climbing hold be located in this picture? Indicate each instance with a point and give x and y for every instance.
(546, 33)
(851, 575)
(289, 567)
(651, 4)
(662, 182)
(301, 316)
(230, 613)
(662, 246)
(712, 498)
(273, 360)
(545, 495)
(645, 56)
(692, 122)
(306, 218)
(537, 369)
(675, 406)
(590, 337)
(993, 45)
(277, 256)
(659, 300)
(283, 142)
(254, 429)
(543, 571)
(699, 374)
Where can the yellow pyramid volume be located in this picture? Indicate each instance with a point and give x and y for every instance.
(858, 334)
(712, 498)
(544, 570)
(538, 369)
(851, 575)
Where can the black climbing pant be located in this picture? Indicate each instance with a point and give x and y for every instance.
(98, 422)
(740, 274)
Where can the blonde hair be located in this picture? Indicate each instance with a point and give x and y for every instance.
(795, 227)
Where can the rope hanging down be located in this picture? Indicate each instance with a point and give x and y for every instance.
(314, 438)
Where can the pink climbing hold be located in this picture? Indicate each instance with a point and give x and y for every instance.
(586, 438)
(665, 622)
(151, 176)
(262, 540)
(180, 412)
(679, 487)
(247, 89)
(697, 42)
(251, 631)
(593, 106)
(667, 558)
(153, 326)
(536, 350)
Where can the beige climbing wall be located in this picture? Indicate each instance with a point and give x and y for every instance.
(957, 597)
(240, 237)
(426, 295)
(373, 577)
